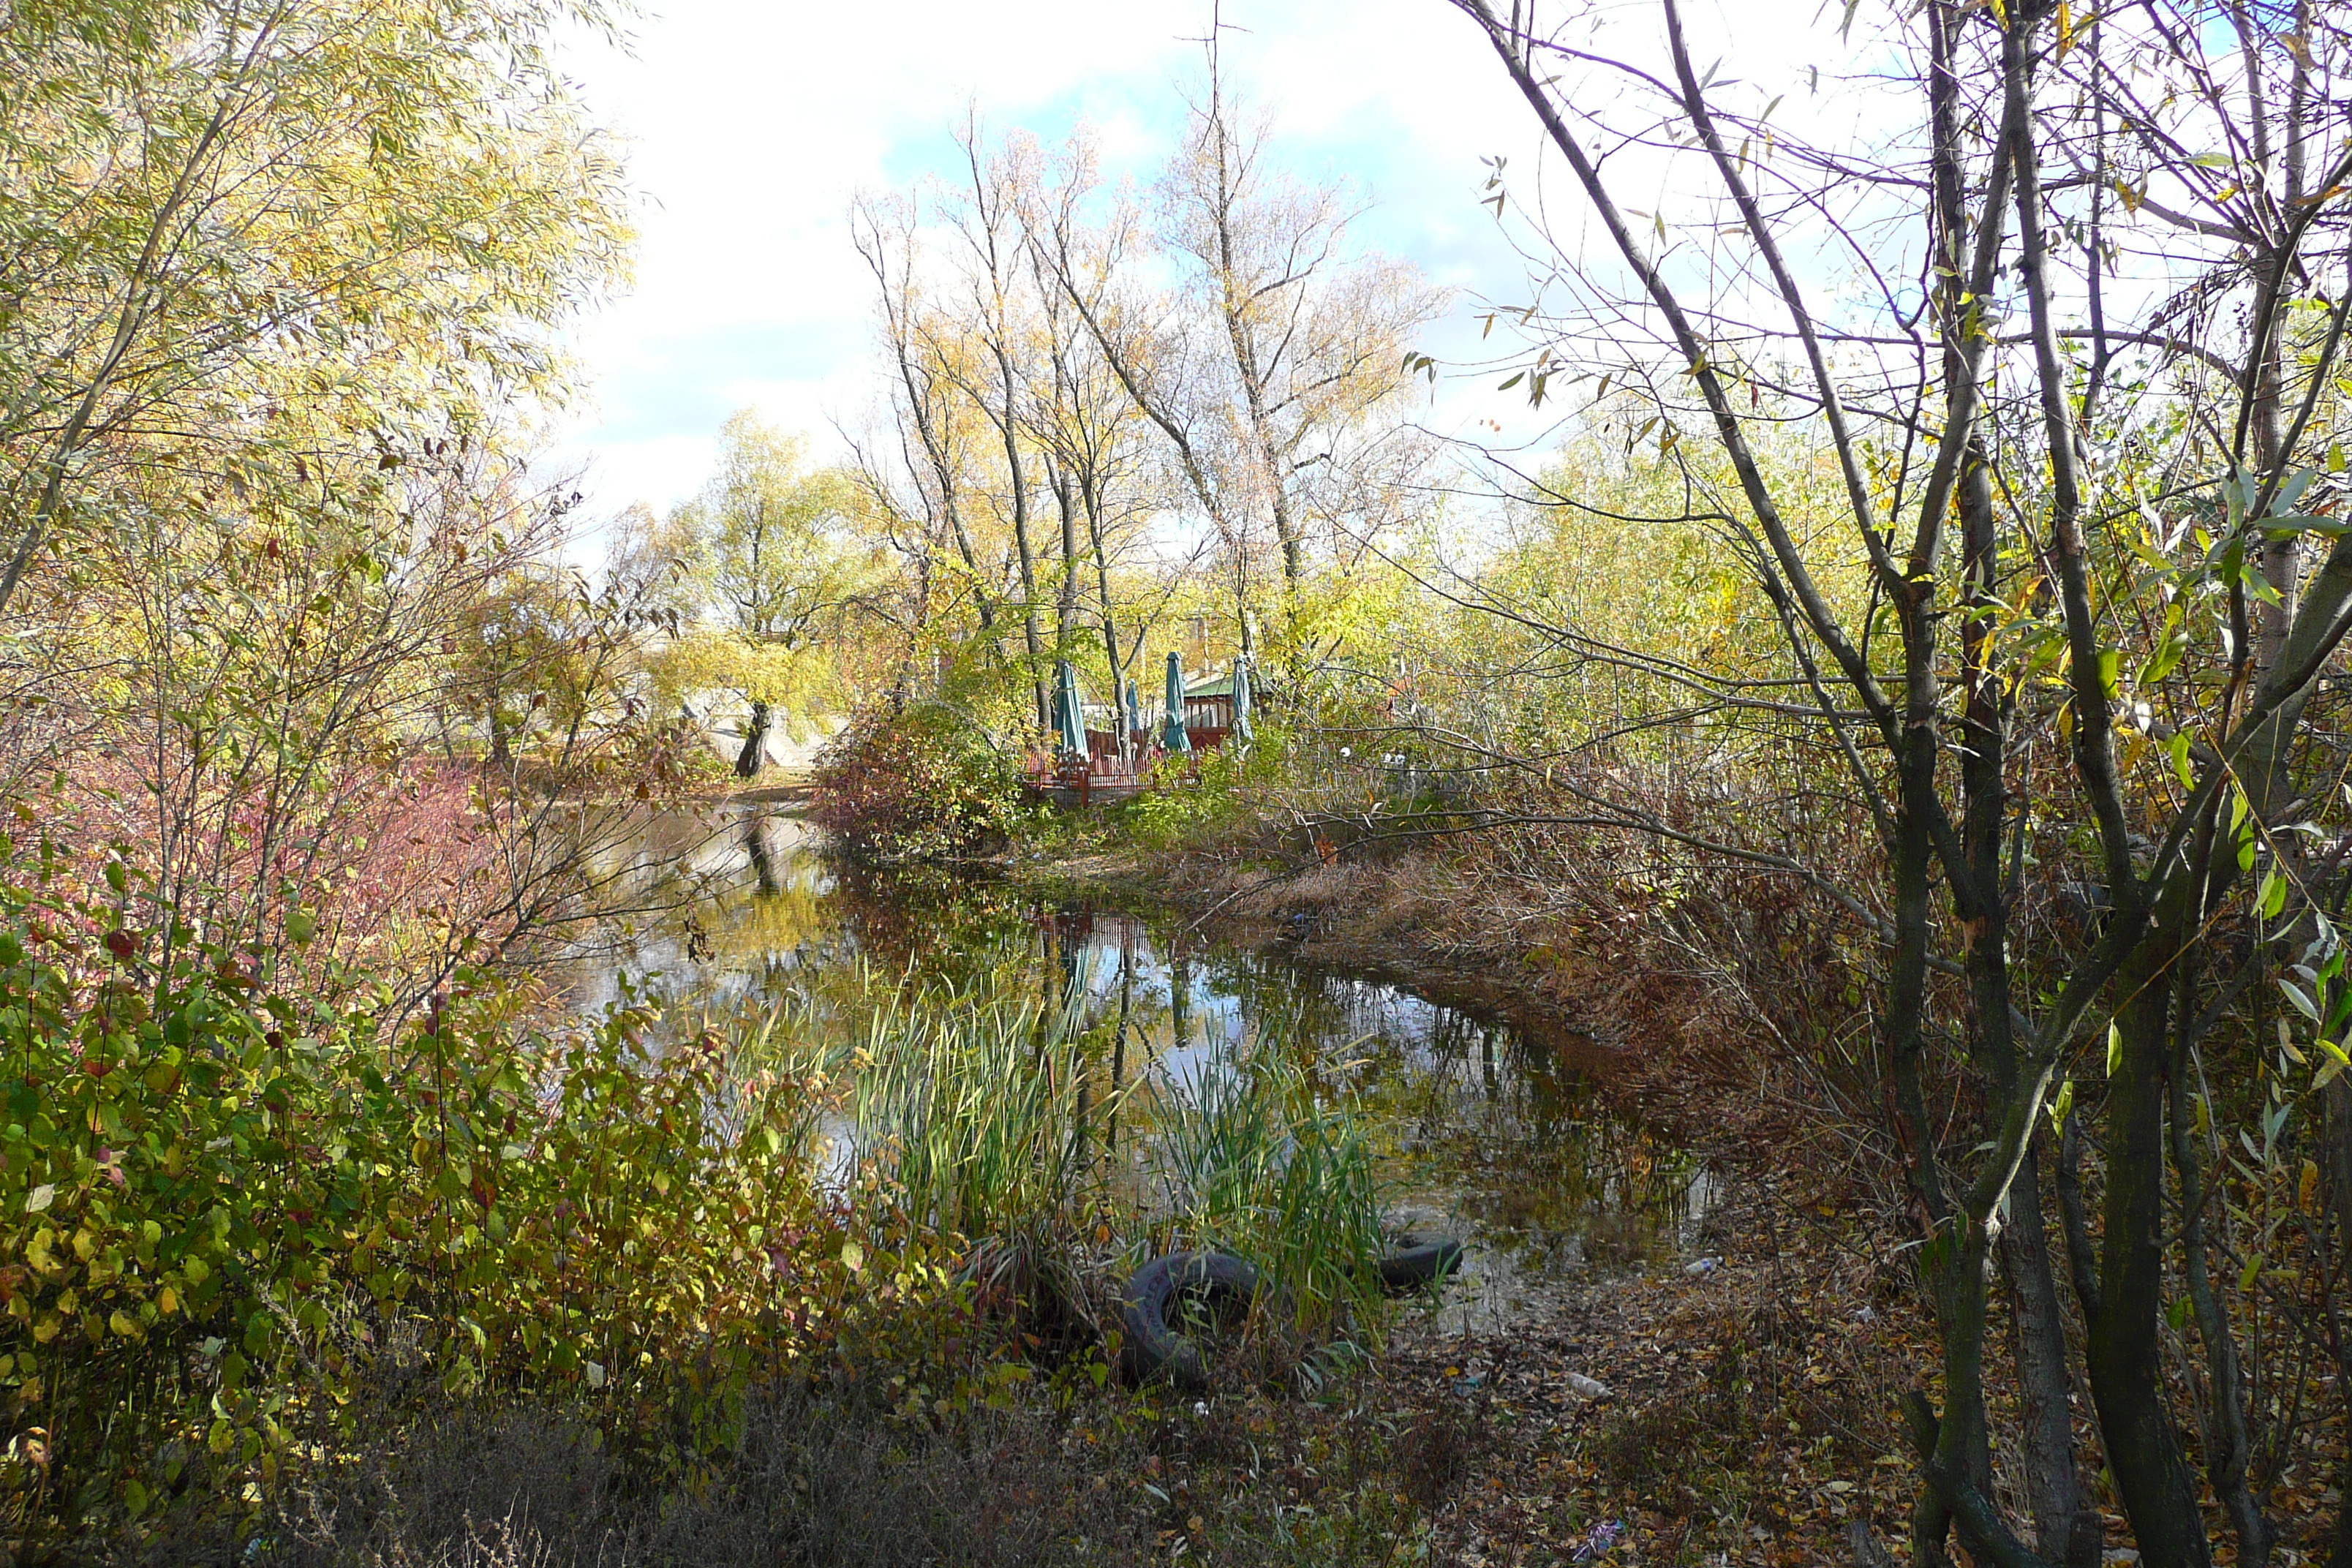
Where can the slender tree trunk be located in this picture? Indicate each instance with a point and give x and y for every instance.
(755, 849)
(1093, 500)
(754, 754)
(1241, 334)
(1950, 1438)
(2228, 1453)
(1008, 426)
(2065, 1527)
(501, 748)
(2336, 1162)
(2066, 1531)
(2125, 1354)
(1065, 601)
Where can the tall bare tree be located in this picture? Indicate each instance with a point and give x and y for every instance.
(2078, 418)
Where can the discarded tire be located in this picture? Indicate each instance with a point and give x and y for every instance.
(1411, 1268)
(1153, 1348)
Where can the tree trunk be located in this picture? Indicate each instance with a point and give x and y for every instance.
(2337, 1163)
(755, 849)
(2065, 1527)
(754, 754)
(1093, 500)
(2228, 1452)
(2125, 1354)
(501, 749)
(1065, 601)
(1027, 552)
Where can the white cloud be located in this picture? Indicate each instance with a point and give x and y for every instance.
(750, 126)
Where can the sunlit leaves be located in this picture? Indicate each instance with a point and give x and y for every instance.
(211, 1218)
(256, 240)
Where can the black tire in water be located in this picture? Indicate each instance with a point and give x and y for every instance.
(1411, 1268)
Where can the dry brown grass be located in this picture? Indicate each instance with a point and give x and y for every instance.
(830, 1479)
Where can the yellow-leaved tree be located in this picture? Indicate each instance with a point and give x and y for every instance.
(765, 565)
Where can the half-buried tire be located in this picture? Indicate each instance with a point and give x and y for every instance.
(1154, 1347)
(1411, 1268)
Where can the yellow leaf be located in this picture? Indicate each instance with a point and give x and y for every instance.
(852, 1256)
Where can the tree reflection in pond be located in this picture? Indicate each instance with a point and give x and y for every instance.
(1480, 1129)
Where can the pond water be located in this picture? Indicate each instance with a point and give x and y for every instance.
(1481, 1130)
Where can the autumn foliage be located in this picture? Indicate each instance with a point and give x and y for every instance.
(232, 1218)
(915, 782)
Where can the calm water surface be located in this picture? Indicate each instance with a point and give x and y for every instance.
(1484, 1131)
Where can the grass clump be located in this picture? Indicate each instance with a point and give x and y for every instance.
(1253, 1161)
(988, 1114)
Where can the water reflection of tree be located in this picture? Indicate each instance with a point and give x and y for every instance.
(1513, 1131)
(929, 919)
(1516, 1134)
(1566, 1169)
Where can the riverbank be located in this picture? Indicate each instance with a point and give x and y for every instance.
(1366, 919)
(1732, 1407)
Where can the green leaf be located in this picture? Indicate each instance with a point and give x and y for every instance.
(2062, 1105)
(2171, 644)
(2115, 1050)
(2109, 671)
(2150, 555)
(2292, 523)
(2178, 747)
(2270, 901)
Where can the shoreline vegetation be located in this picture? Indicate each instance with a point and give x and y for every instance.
(1900, 717)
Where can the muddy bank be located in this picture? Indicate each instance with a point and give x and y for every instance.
(1745, 1415)
(1391, 922)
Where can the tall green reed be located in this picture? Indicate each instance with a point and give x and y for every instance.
(973, 1105)
(1251, 1161)
(985, 1109)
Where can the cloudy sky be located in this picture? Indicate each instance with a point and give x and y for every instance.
(751, 125)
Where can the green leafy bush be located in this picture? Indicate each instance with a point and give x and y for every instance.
(1206, 795)
(916, 782)
(225, 1218)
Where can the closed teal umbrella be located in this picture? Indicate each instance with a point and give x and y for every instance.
(1133, 717)
(1066, 718)
(1171, 730)
(1242, 736)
